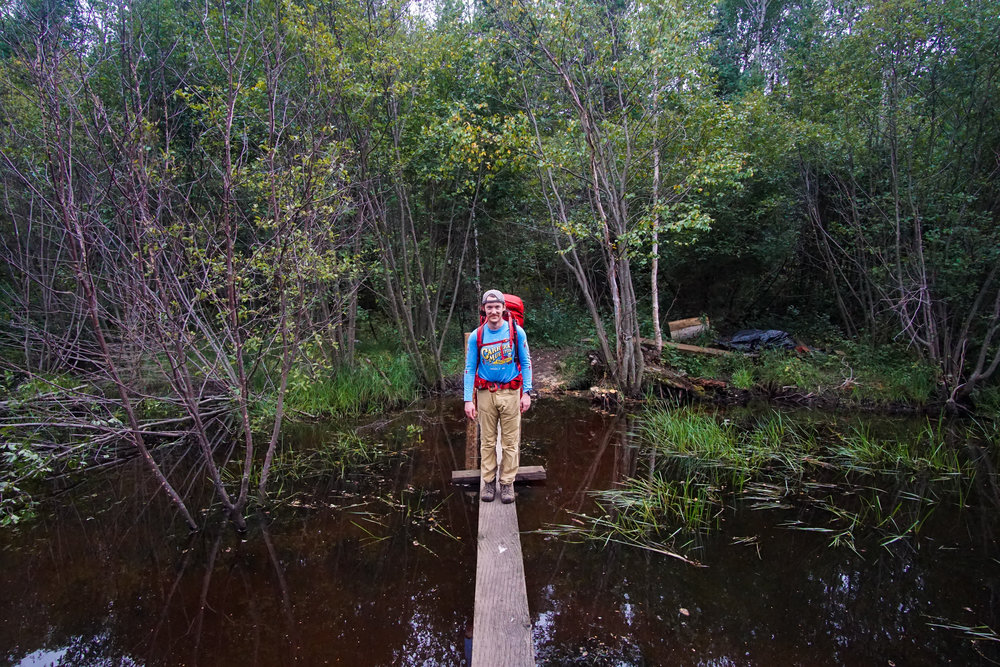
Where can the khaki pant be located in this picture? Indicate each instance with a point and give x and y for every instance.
(501, 407)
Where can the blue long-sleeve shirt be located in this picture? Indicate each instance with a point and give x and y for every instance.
(495, 362)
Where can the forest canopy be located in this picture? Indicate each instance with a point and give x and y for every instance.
(212, 202)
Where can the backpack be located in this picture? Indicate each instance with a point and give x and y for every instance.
(514, 314)
(514, 306)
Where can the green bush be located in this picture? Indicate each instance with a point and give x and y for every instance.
(576, 371)
(21, 467)
(557, 322)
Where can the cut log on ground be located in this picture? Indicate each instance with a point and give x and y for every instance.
(688, 328)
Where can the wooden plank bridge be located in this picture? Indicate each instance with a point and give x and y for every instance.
(501, 624)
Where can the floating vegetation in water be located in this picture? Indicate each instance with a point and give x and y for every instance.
(339, 455)
(890, 519)
(861, 450)
(972, 632)
(642, 513)
(849, 483)
(418, 507)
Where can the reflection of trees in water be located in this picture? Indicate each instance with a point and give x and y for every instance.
(113, 587)
(791, 601)
(572, 594)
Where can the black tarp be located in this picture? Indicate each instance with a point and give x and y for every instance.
(751, 340)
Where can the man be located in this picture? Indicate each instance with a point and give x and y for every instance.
(500, 374)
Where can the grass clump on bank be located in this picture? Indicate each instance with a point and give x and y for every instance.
(378, 381)
(683, 432)
(860, 372)
(776, 442)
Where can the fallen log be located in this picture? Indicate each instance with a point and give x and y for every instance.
(684, 347)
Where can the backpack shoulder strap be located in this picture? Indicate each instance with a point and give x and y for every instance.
(513, 342)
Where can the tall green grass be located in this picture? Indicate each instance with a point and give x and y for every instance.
(377, 382)
(684, 432)
(853, 481)
(861, 449)
(773, 441)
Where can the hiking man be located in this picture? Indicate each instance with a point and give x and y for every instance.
(498, 368)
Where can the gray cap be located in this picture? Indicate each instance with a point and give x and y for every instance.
(493, 295)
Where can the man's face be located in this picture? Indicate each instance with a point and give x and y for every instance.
(494, 314)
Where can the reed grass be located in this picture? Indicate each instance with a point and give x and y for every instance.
(860, 449)
(971, 632)
(684, 432)
(770, 442)
(777, 464)
(650, 513)
(378, 382)
(645, 504)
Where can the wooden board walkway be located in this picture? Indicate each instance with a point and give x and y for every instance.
(501, 625)
(524, 474)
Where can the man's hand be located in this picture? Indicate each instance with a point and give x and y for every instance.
(525, 402)
(471, 412)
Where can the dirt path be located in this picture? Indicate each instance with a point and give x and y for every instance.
(545, 370)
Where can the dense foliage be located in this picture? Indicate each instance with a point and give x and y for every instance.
(207, 205)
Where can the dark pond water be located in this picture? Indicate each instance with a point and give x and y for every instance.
(344, 577)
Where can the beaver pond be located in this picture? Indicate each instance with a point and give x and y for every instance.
(369, 557)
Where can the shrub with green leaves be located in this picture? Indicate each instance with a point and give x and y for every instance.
(556, 322)
(22, 465)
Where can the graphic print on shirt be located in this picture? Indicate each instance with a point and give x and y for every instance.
(497, 354)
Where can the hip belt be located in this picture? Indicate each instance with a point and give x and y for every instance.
(480, 383)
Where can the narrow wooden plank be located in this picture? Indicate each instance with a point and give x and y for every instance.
(524, 474)
(502, 626)
(696, 349)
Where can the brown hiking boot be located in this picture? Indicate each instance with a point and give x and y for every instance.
(507, 493)
(489, 492)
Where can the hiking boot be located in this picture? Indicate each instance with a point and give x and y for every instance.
(489, 492)
(507, 493)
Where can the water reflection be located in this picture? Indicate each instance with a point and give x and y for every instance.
(360, 574)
